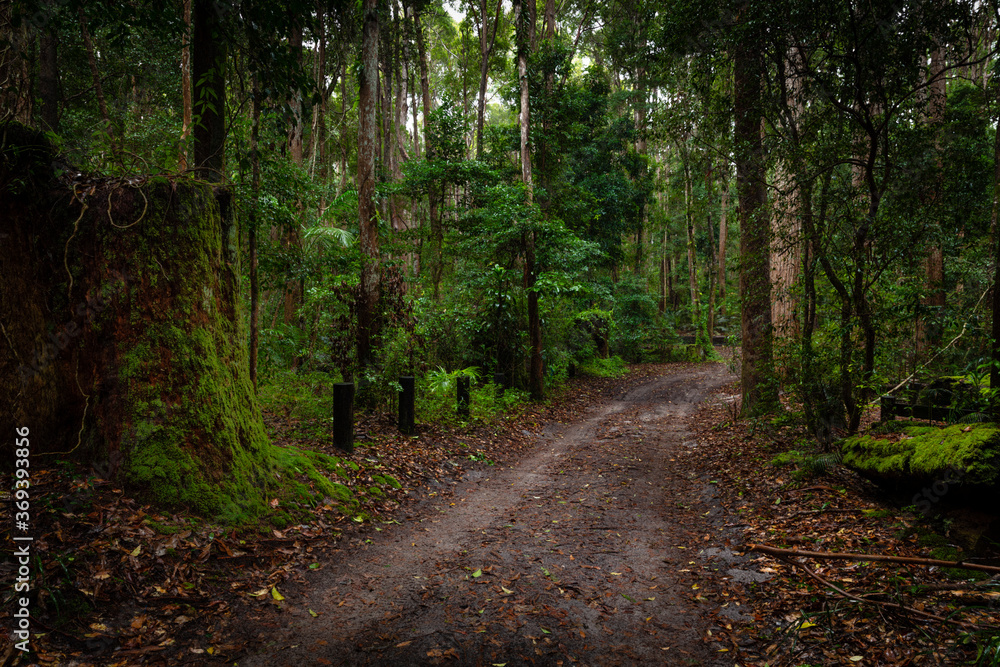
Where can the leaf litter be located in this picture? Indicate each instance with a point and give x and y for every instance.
(121, 584)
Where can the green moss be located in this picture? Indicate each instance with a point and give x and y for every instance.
(304, 463)
(612, 367)
(181, 410)
(923, 453)
(163, 529)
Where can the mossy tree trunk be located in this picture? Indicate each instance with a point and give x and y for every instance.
(132, 285)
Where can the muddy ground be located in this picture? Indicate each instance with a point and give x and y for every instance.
(596, 548)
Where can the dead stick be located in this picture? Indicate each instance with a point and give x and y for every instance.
(887, 605)
(828, 555)
(825, 511)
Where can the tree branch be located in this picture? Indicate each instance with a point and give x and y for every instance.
(778, 552)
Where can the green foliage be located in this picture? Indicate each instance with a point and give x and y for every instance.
(487, 403)
(612, 367)
(441, 382)
(637, 328)
(808, 465)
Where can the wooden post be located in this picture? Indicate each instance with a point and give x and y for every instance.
(406, 399)
(343, 416)
(463, 397)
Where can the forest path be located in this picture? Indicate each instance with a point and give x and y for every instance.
(591, 550)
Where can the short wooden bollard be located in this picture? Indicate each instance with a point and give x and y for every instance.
(498, 380)
(406, 400)
(343, 416)
(463, 397)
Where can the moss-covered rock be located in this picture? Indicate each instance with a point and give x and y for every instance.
(966, 454)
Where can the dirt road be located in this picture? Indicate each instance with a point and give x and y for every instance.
(592, 550)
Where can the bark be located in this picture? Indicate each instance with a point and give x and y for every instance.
(253, 226)
(786, 255)
(186, 113)
(208, 74)
(416, 122)
(691, 257)
(317, 154)
(368, 290)
(870, 558)
(813, 398)
(343, 123)
(665, 283)
(145, 366)
(48, 78)
(757, 375)
(15, 72)
(786, 225)
(640, 148)
(297, 128)
(723, 237)
(929, 332)
(486, 44)
(710, 274)
(293, 235)
(524, 26)
(437, 233)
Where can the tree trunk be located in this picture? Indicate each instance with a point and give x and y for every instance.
(368, 290)
(723, 240)
(186, 113)
(665, 284)
(317, 154)
(786, 256)
(640, 148)
(134, 350)
(928, 330)
(208, 74)
(254, 224)
(293, 235)
(15, 72)
(48, 78)
(485, 50)
(524, 26)
(691, 257)
(757, 377)
(343, 124)
(437, 233)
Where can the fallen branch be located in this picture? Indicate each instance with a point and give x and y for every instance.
(829, 510)
(888, 605)
(827, 555)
